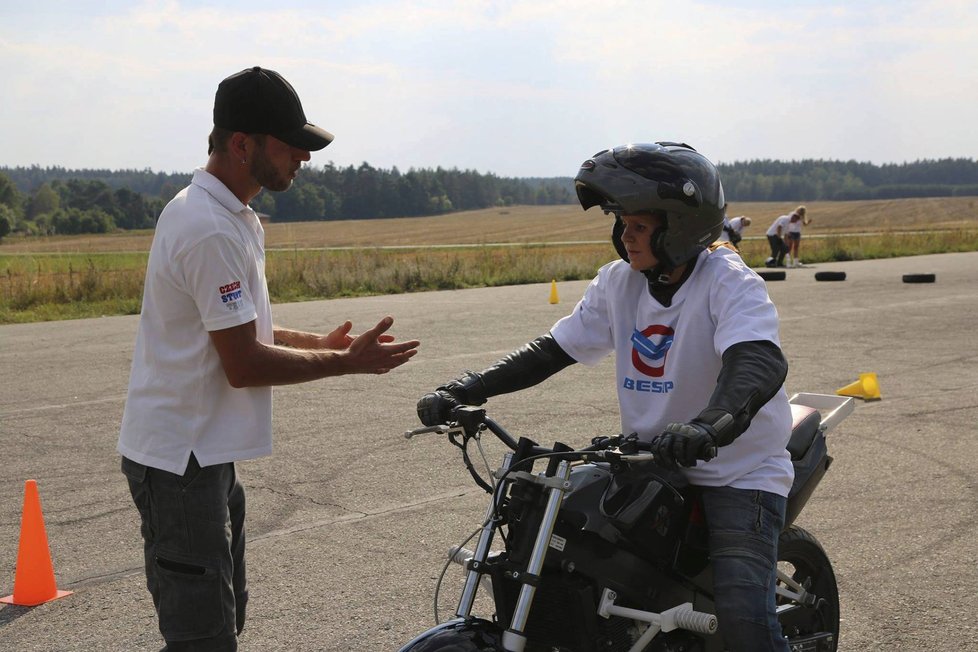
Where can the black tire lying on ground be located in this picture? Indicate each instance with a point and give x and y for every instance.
(919, 278)
(772, 276)
(830, 276)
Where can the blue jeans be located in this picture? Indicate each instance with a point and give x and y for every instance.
(194, 544)
(744, 527)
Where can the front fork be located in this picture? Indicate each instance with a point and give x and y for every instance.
(465, 602)
(513, 638)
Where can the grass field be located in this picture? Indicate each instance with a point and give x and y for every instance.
(540, 224)
(64, 277)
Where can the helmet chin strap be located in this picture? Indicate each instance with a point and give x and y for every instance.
(659, 275)
(660, 282)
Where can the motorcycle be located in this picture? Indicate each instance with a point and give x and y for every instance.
(606, 551)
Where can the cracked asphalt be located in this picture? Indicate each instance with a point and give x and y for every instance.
(349, 522)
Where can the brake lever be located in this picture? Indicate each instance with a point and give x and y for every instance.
(440, 429)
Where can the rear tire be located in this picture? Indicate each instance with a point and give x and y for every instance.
(801, 557)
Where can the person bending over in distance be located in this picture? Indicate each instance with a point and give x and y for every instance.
(733, 229)
(777, 238)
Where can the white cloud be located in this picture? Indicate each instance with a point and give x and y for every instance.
(518, 88)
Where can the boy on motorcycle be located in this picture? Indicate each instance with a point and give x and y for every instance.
(699, 367)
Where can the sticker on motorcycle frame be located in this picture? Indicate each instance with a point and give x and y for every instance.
(557, 542)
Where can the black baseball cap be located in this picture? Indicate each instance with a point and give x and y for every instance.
(260, 101)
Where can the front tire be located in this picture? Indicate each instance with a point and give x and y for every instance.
(459, 635)
(801, 557)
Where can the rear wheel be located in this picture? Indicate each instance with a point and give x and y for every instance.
(805, 569)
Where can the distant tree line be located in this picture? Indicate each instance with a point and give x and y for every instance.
(35, 200)
(366, 192)
(39, 200)
(72, 206)
(818, 180)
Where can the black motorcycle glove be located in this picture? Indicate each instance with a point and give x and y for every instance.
(683, 444)
(751, 374)
(436, 407)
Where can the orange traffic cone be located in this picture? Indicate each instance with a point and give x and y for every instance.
(553, 292)
(34, 579)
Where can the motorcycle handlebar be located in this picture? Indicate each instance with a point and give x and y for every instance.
(471, 419)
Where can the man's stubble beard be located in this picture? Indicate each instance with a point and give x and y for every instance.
(267, 175)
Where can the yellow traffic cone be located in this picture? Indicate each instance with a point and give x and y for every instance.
(553, 292)
(866, 388)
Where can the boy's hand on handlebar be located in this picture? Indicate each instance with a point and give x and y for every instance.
(436, 408)
(683, 444)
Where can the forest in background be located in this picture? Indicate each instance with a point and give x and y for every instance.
(56, 200)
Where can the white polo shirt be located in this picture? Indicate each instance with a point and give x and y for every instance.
(782, 222)
(667, 359)
(206, 272)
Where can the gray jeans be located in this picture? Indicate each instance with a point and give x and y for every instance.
(194, 545)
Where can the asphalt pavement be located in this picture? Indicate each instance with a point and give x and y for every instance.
(349, 522)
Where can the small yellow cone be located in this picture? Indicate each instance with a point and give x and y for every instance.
(866, 388)
(553, 292)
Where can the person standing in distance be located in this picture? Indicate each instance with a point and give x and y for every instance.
(206, 356)
(799, 218)
(699, 322)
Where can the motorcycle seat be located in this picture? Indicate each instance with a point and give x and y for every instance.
(804, 425)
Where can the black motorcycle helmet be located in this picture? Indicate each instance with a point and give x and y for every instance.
(670, 179)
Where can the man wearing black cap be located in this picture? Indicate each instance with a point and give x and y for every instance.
(206, 356)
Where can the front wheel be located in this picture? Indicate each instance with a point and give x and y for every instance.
(808, 596)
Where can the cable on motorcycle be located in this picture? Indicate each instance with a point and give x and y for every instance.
(444, 569)
(533, 458)
(487, 487)
(485, 461)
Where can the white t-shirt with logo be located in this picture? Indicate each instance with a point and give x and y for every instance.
(667, 359)
(206, 272)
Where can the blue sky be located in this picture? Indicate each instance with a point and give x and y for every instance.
(526, 88)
